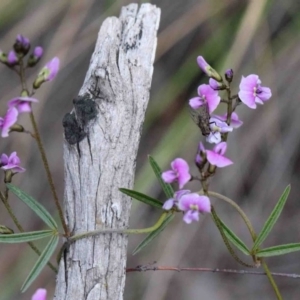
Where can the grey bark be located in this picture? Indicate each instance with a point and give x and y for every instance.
(119, 77)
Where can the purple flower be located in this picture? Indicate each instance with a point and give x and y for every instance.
(12, 58)
(207, 96)
(179, 172)
(200, 156)
(40, 294)
(23, 104)
(216, 156)
(207, 69)
(217, 127)
(235, 121)
(252, 93)
(11, 162)
(9, 120)
(193, 204)
(174, 201)
(21, 45)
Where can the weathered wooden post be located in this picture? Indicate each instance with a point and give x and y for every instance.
(101, 158)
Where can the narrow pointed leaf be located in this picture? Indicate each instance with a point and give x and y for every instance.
(39, 209)
(272, 219)
(153, 234)
(232, 237)
(142, 197)
(278, 250)
(167, 188)
(40, 263)
(24, 236)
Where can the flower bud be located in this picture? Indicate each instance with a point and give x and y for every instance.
(21, 45)
(35, 57)
(48, 73)
(229, 75)
(215, 85)
(208, 70)
(17, 128)
(12, 59)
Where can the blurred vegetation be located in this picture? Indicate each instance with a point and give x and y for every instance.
(260, 37)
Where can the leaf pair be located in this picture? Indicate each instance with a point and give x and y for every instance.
(269, 224)
(34, 235)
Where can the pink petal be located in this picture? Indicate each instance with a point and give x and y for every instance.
(168, 204)
(169, 176)
(191, 216)
(9, 120)
(204, 205)
(4, 159)
(221, 148)
(247, 98)
(182, 168)
(40, 294)
(217, 160)
(196, 102)
(265, 94)
(249, 83)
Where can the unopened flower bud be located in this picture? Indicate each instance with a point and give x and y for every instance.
(21, 45)
(48, 73)
(208, 70)
(12, 58)
(229, 75)
(214, 84)
(17, 128)
(35, 57)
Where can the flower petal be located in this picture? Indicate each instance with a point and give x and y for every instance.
(265, 94)
(40, 294)
(196, 102)
(169, 176)
(247, 98)
(168, 204)
(217, 160)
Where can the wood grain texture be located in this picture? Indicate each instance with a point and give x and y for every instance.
(119, 74)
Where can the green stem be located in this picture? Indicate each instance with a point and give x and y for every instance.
(271, 279)
(49, 176)
(240, 211)
(19, 226)
(226, 242)
(126, 231)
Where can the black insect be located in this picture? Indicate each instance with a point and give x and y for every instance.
(75, 123)
(201, 117)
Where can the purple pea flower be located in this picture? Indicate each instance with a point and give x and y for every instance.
(40, 294)
(9, 120)
(193, 204)
(179, 172)
(11, 162)
(12, 58)
(22, 104)
(235, 121)
(207, 96)
(174, 201)
(252, 93)
(216, 156)
(229, 75)
(217, 127)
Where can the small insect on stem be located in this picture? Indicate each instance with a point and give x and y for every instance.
(201, 117)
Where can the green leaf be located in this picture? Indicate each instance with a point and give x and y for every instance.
(34, 205)
(142, 197)
(41, 262)
(278, 250)
(167, 188)
(232, 237)
(272, 219)
(153, 234)
(24, 236)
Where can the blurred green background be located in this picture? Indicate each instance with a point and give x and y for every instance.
(260, 37)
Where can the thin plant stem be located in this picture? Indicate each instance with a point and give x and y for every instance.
(239, 210)
(271, 279)
(125, 231)
(49, 176)
(19, 226)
